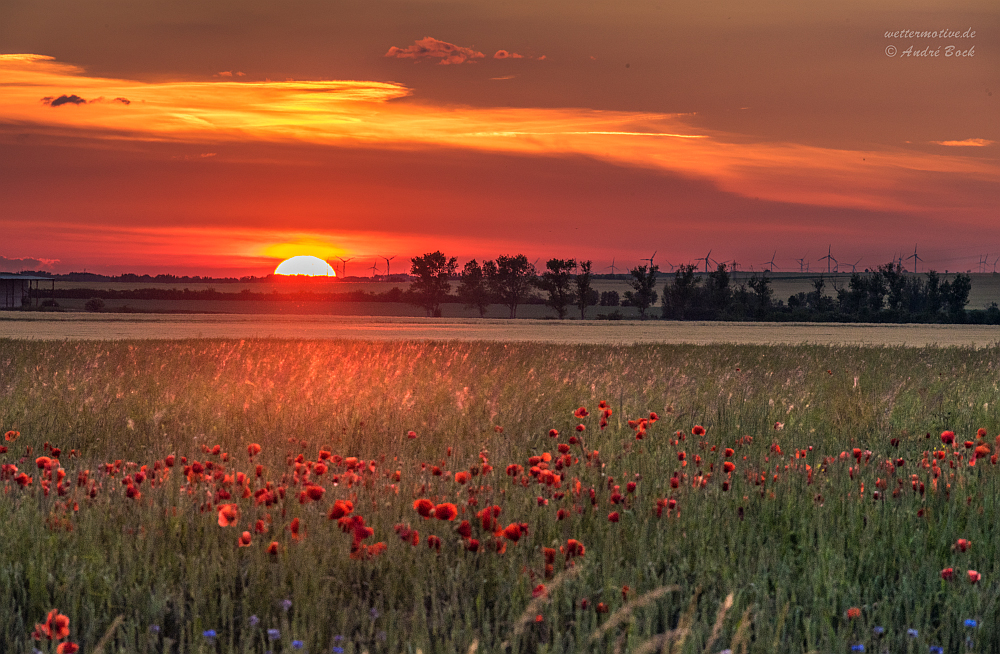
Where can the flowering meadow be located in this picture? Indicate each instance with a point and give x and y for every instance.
(335, 496)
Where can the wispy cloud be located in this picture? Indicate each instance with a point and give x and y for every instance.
(431, 48)
(63, 99)
(978, 143)
(360, 113)
(503, 54)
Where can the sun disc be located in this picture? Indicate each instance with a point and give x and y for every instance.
(305, 265)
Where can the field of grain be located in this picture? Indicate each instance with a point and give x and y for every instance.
(52, 326)
(497, 497)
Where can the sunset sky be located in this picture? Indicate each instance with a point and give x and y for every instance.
(220, 138)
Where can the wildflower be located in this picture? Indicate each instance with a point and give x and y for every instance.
(512, 532)
(936, 649)
(295, 527)
(273, 548)
(601, 607)
(539, 591)
(728, 452)
(55, 627)
(462, 477)
(698, 430)
(912, 633)
(613, 516)
(254, 621)
(273, 634)
(581, 413)
(297, 644)
(260, 527)
(948, 437)
(853, 612)
(434, 542)
(574, 548)
(446, 511)
(947, 574)
(338, 650)
(67, 648)
(154, 628)
(974, 576)
(857, 648)
(464, 530)
(11, 435)
(209, 634)
(341, 508)
(286, 604)
(971, 623)
(253, 449)
(553, 433)
(228, 515)
(961, 545)
(245, 539)
(728, 466)
(581, 427)
(878, 631)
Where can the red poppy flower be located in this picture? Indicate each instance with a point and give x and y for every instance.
(512, 532)
(67, 648)
(253, 449)
(961, 545)
(601, 607)
(562, 514)
(472, 545)
(462, 477)
(341, 508)
(539, 591)
(464, 530)
(411, 434)
(553, 433)
(974, 576)
(513, 470)
(297, 532)
(581, 428)
(581, 413)
(446, 511)
(228, 515)
(948, 437)
(613, 516)
(698, 430)
(853, 612)
(574, 548)
(11, 435)
(947, 574)
(584, 603)
(424, 507)
(728, 452)
(273, 548)
(434, 542)
(728, 466)
(982, 451)
(245, 539)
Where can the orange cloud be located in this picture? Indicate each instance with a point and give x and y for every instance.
(431, 48)
(503, 54)
(362, 113)
(967, 142)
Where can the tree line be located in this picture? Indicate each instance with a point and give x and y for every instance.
(884, 294)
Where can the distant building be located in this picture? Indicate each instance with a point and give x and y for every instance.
(18, 291)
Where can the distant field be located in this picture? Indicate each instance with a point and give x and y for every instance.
(54, 326)
(985, 289)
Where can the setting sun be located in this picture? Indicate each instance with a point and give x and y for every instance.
(305, 265)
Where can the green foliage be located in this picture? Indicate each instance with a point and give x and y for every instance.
(795, 551)
(556, 281)
(643, 282)
(510, 280)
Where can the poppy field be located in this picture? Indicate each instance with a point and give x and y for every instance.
(348, 496)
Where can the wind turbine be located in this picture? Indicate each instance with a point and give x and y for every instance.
(705, 259)
(343, 265)
(995, 265)
(612, 267)
(374, 268)
(650, 260)
(854, 266)
(916, 258)
(829, 258)
(770, 263)
(387, 260)
(802, 264)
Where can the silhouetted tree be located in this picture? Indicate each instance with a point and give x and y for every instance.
(956, 294)
(510, 280)
(472, 288)
(762, 293)
(610, 299)
(556, 282)
(432, 271)
(586, 296)
(643, 283)
(679, 295)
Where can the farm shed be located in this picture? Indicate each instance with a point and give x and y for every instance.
(18, 291)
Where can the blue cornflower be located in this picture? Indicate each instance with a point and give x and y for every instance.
(912, 633)
(878, 631)
(210, 633)
(273, 634)
(374, 613)
(971, 623)
(338, 638)
(154, 628)
(254, 621)
(286, 604)
(297, 644)
(857, 648)
(937, 649)
(338, 650)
